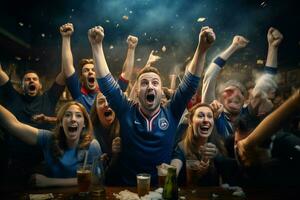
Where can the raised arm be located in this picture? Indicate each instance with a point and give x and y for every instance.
(206, 39)
(152, 59)
(66, 31)
(22, 131)
(132, 41)
(267, 81)
(3, 76)
(210, 77)
(96, 36)
(274, 39)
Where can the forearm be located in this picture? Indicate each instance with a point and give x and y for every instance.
(67, 57)
(58, 182)
(210, 80)
(22, 131)
(272, 57)
(100, 61)
(225, 55)
(128, 64)
(197, 64)
(273, 122)
(3, 77)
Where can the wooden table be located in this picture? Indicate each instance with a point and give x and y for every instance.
(198, 193)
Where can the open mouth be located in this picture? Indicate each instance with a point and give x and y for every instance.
(108, 113)
(32, 88)
(150, 97)
(204, 129)
(91, 80)
(72, 129)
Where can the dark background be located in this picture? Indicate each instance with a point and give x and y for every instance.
(29, 36)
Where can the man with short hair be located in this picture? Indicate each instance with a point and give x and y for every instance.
(85, 89)
(32, 101)
(147, 128)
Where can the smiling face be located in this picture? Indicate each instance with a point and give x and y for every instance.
(149, 92)
(202, 122)
(88, 76)
(73, 123)
(232, 99)
(31, 84)
(105, 114)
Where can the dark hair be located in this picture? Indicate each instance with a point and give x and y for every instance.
(29, 71)
(83, 62)
(115, 127)
(59, 144)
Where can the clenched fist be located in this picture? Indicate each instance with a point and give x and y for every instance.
(132, 41)
(206, 37)
(239, 41)
(274, 37)
(66, 30)
(96, 35)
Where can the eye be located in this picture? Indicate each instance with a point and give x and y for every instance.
(144, 83)
(210, 115)
(155, 83)
(78, 115)
(67, 114)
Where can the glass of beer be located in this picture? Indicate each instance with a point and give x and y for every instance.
(84, 179)
(162, 172)
(191, 172)
(143, 184)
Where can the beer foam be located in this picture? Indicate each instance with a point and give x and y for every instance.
(143, 177)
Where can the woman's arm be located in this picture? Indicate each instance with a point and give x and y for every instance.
(40, 180)
(24, 132)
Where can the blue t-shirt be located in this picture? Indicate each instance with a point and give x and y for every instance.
(66, 165)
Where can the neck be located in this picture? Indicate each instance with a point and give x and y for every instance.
(148, 113)
(72, 143)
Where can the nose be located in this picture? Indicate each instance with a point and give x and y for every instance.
(205, 119)
(73, 118)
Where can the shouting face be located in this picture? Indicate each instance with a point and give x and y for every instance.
(31, 84)
(88, 77)
(233, 99)
(202, 122)
(149, 92)
(105, 114)
(73, 123)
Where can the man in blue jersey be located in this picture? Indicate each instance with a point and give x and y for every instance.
(85, 89)
(147, 128)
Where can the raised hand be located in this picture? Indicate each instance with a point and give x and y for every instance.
(152, 59)
(217, 108)
(66, 30)
(206, 37)
(132, 41)
(239, 42)
(96, 35)
(274, 37)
